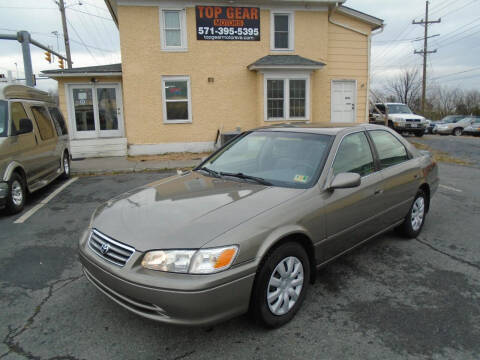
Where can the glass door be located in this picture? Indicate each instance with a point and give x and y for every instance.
(96, 110)
(110, 121)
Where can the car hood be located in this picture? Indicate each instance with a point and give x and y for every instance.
(406, 116)
(184, 211)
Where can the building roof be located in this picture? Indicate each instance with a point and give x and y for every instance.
(285, 62)
(100, 70)
(371, 20)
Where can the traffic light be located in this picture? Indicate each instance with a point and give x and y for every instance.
(48, 56)
(60, 63)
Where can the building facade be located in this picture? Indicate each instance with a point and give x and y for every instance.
(191, 69)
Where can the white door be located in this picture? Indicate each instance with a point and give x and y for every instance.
(344, 101)
(95, 110)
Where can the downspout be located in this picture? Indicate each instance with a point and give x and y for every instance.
(331, 12)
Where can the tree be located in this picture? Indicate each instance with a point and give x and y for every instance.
(406, 87)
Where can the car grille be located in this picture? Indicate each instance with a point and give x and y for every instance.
(109, 249)
(413, 120)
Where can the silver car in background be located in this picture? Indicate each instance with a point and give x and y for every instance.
(247, 229)
(453, 126)
(474, 128)
(34, 145)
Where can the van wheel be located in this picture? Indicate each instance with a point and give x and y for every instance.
(66, 165)
(16, 194)
(280, 285)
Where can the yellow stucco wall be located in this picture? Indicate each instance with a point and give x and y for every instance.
(62, 82)
(235, 98)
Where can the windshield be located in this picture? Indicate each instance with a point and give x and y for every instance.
(3, 118)
(452, 119)
(398, 109)
(278, 158)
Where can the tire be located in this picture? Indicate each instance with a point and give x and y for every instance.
(288, 287)
(17, 194)
(457, 131)
(419, 133)
(413, 224)
(66, 165)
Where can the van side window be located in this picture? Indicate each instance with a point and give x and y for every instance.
(18, 112)
(58, 120)
(43, 122)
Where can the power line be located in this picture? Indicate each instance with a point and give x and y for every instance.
(88, 13)
(450, 12)
(456, 73)
(83, 43)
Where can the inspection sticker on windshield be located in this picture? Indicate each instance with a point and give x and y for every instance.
(300, 178)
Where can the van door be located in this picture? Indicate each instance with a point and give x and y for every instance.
(47, 141)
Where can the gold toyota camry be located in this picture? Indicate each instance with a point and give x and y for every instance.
(247, 229)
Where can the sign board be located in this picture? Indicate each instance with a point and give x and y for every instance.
(228, 23)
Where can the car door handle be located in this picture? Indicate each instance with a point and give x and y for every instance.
(378, 192)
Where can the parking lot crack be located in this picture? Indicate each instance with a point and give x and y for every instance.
(453, 257)
(9, 340)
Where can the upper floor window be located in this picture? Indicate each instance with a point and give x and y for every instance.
(173, 30)
(282, 33)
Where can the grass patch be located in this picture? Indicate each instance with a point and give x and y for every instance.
(440, 156)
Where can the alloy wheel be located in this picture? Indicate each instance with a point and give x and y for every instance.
(17, 193)
(66, 165)
(285, 285)
(418, 212)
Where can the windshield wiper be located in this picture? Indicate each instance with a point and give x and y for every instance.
(210, 171)
(247, 177)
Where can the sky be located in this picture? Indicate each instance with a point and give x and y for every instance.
(95, 39)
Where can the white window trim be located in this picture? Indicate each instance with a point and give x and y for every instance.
(291, 29)
(286, 91)
(189, 99)
(183, 31)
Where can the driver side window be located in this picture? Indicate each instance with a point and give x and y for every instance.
(354, 155)
(17, 113)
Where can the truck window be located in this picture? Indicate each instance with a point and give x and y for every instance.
(17, 113)
(43, 122)
(58, 120)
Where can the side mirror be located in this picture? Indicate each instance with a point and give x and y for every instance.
(26, 126)
(345, 181)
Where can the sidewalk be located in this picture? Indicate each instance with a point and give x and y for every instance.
(115, 165)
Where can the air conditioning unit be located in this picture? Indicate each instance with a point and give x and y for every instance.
(227, 136)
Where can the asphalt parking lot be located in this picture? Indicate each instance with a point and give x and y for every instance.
(391, 299)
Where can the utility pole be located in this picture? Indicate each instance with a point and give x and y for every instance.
(425, 52)
(61, 6)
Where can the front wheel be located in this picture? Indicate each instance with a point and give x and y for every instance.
(66, 165)
(457, 132)
(419, 133)
(17, 194)
(280, 285)
(413, 223)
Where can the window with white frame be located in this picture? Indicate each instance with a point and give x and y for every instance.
(173, 34)
(282, 33)
(177, 106)
(287, 98)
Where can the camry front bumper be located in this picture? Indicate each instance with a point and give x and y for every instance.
(180, 299)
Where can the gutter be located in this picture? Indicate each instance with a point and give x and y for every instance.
(331, 12)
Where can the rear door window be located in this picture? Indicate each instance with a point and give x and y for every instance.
(42, 118)
(59, 121)
(17, 113)
(354, 155)
(390, 150)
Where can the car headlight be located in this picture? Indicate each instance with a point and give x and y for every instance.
(202, 261)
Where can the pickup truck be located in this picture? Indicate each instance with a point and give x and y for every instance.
(400, 118)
